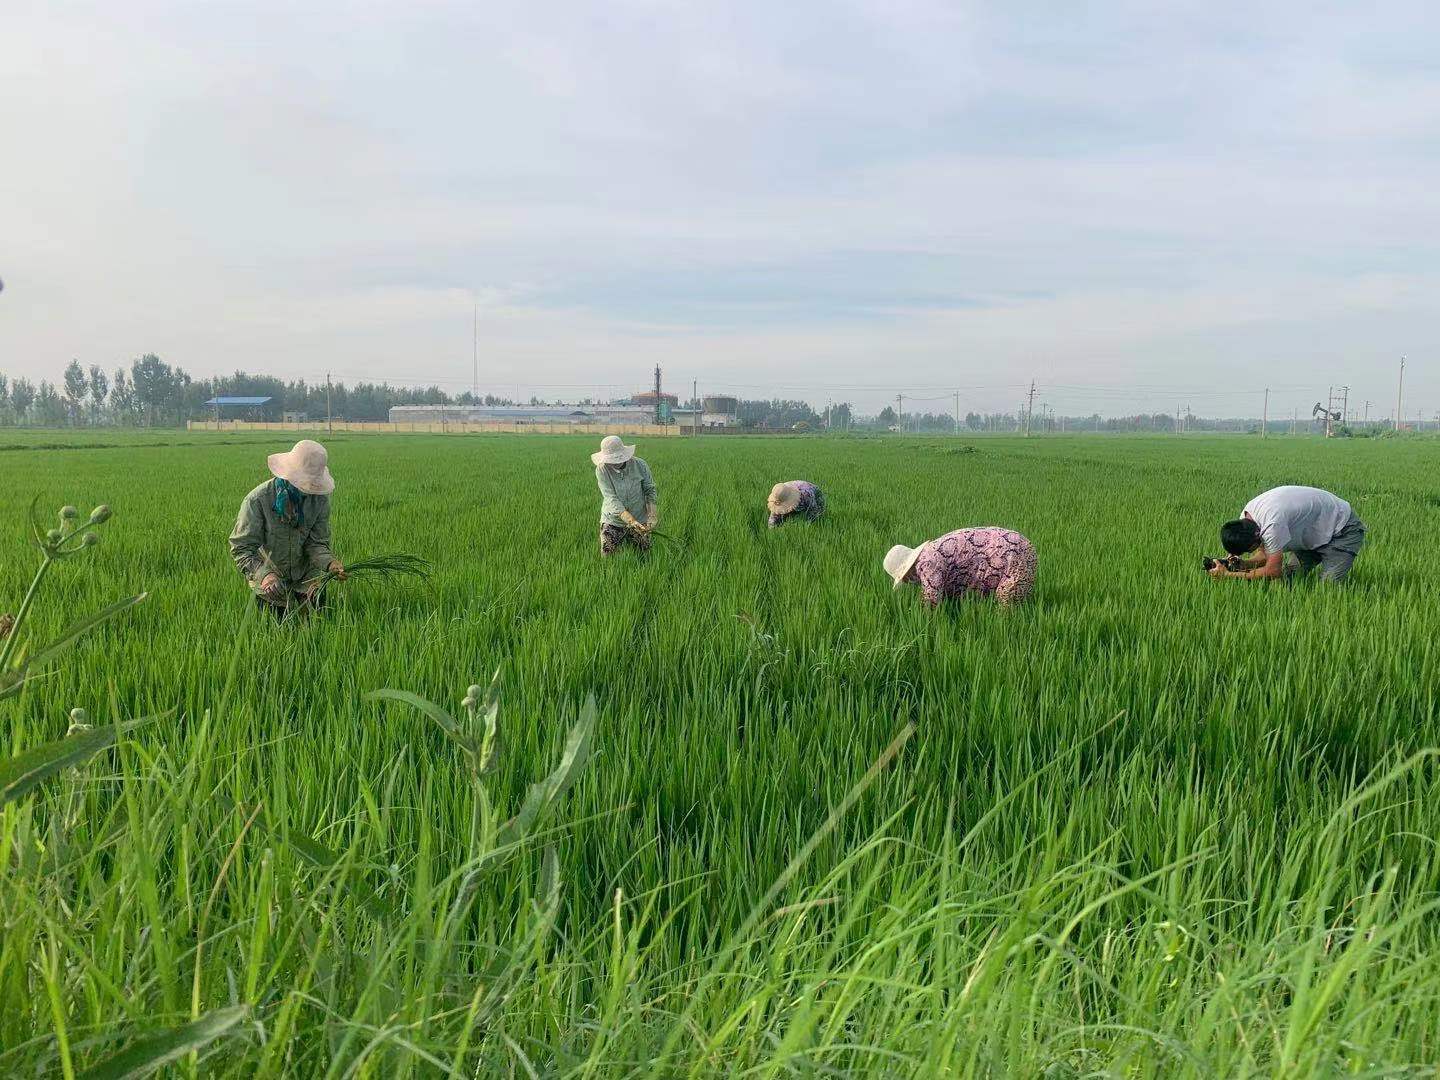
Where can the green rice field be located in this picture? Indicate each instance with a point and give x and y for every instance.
(1148, 824)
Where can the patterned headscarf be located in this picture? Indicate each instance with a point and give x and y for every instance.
(289, 502)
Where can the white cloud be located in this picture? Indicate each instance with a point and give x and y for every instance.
(760, 195)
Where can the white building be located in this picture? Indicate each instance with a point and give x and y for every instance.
(532, 414)
(720, 412)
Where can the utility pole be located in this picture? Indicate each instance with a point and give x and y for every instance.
(329, 416)
(695, 396)
(957, 412)
(1344, 405)
(475, 355)
(900, 413)
(657, 394)
(1367, 415)
(1399, 394)
(1265, 416)
(1030, 410)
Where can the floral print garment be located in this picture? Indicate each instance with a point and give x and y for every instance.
(986, 560)
(810, 507)
(615, 537)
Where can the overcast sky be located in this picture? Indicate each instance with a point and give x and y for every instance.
(811, 199)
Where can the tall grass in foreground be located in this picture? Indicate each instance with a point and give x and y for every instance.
(1148, 825)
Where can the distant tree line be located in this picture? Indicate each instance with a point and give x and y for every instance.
(152, 393)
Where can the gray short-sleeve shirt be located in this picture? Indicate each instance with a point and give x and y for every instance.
(1296, 518)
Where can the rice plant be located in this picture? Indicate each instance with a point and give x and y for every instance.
(1148, 824)
(382, 567)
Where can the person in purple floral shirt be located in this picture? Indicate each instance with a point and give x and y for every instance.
(989, 560)
(795, 498)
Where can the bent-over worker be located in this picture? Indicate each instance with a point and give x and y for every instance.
(794, 498)
(989, 560)
(281, 540)
(629, 501)
(1319, 527)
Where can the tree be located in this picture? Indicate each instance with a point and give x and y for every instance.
(75, 390)
(122, 398)
(153, 384)
(22, 396)
(887, 418)
(840, 416)
(99, 387)
(4, 398)
(49, 405)
(777, 414)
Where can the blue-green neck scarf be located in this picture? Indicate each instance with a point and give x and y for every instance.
(289, 502)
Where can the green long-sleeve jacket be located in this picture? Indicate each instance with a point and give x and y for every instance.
(631, 488)
(264, 543)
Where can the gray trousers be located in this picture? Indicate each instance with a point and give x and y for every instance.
(1336, 557)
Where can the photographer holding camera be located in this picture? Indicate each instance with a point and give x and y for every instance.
(1320, 528)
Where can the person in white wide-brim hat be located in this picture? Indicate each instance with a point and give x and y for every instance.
(281, 539)
(988, 561)
(794, 499)
(629, 501)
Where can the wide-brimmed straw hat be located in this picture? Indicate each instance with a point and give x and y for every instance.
(898, 561)
(613, 451)
(783, 498)
(306, 466)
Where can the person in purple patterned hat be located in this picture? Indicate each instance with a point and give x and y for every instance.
(794, 498)
(989, 560)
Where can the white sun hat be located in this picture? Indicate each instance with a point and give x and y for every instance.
(898, 561)
(783, 498)
(613, 451)
(306, 466)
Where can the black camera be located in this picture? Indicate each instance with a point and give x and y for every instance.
(1230, 562)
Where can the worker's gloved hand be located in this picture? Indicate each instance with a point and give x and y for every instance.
(271, 587)
(338, 569)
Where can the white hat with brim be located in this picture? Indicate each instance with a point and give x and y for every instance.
(613, 451)
(306, 466)
(783, 498)
(898, 561)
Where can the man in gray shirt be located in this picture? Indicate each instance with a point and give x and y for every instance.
(1320, 528)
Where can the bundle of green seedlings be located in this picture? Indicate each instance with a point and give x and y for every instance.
(669, 538)
(398, 564)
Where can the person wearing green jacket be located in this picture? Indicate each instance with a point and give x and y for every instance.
(629, 501)
(281, 539)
